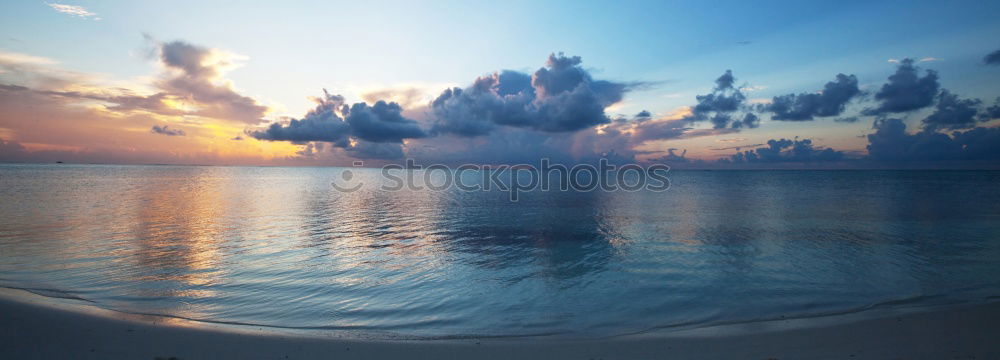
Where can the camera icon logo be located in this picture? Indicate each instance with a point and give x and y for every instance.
(347, 177)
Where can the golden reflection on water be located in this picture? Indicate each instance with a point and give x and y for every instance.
(177, 233)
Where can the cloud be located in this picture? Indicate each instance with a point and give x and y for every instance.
(737, 148)
(381, 122)
(992, 58)
(60, 128)
(829, 102)
(750, 120)
(11, 150)
(719, 105)
(891, 143)
(657, 130)
(638, 130)
(322, 123)
(191, 84)
(123, 102)
(311, 149)
(333, 121)
(731, 140)
(35, 71)
(74, 10)
(10, 59)
(906, 90)
(672, 157)
(979, 143)
(196, 76)
(560, 97)
(992, 112)
(952, 113)
(665, 129)
(166, 130)
(785, 150)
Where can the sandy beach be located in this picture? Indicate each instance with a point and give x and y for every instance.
(40, 329)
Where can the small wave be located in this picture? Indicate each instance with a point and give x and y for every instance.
(49, 293)
(361, 331)
(374, 333)
(920, 300)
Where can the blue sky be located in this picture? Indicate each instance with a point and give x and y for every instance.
(290, 51)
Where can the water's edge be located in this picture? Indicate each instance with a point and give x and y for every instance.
(67, 301)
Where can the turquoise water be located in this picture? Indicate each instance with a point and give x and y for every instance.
(280, 247)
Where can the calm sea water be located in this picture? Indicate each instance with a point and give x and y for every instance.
(280, 247)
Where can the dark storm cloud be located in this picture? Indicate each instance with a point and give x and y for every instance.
(305, 130)
(906, 90)
(785, 150)
(560, 97)
(891, 143)
(381, 122)
(829, 102)
(726, 81)
(544, 109)
(367, 125)
(980, 143)
(992, 112)
(992, 58)
(952, 113)
(719, 105)
(166, 130)
(320, 124)
(750, 121)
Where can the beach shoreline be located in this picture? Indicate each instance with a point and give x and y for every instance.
(35, 329)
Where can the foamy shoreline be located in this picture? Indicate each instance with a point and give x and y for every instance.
(29, 330)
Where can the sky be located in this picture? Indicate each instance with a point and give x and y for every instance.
(691, 84)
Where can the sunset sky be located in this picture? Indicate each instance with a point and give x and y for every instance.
(327, 83)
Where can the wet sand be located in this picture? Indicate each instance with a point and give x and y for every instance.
(32, 329)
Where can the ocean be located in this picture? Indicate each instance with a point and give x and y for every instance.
(281, 247)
